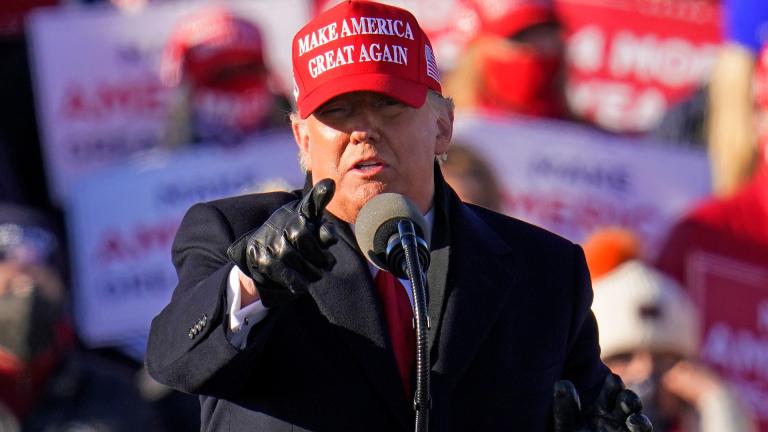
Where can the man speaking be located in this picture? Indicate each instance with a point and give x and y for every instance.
(280, 323)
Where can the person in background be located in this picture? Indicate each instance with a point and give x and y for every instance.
(649, 336)
(732, 225)
(515, 63)
(715, 250)
(731, 138)
(46, 382)
(224, 91)
(472, 177)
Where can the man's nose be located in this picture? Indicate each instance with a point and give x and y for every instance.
(366, 126)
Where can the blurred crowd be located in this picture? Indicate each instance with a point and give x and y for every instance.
(510, 59)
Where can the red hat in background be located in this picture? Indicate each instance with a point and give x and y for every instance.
(206, 42)
(508, 17)
(362, 46)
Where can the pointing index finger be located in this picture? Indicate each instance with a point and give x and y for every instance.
(317, 199)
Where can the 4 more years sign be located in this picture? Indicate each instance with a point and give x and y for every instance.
(630, 60)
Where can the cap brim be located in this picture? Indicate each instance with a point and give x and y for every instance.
(520, 20)
(406, 91)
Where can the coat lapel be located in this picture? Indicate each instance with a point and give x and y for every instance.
(348, 299)
(476, 287)
(437, 274)
(467, 284)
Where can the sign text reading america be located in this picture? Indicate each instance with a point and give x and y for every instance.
(351, 53)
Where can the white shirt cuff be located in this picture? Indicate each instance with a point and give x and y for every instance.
(241, 318)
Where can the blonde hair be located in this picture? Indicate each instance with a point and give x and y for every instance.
(731, 132)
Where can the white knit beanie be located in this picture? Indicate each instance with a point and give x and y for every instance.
(638, 307)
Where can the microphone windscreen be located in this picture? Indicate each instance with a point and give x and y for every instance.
(377, 222)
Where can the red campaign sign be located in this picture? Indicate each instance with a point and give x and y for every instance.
(732, 293)
(629, 60)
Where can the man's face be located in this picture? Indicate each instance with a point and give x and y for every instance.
(369, 143)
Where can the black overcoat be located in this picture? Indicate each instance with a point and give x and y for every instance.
(509, 305)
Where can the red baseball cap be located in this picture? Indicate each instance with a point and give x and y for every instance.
(508, 17)
(209, 40)
(362, 46)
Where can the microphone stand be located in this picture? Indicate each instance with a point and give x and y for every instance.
(422, 401)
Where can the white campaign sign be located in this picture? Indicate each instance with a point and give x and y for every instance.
(97, 85)
(122, 221)
(572, 179)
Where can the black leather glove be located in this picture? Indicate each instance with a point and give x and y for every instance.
(289, 251)
(615, 410)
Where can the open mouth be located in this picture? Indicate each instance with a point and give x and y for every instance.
(368, 165)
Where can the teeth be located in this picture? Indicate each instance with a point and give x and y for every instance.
(367, 164)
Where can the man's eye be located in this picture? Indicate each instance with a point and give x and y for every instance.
(391, 102)
(391, 105)
(333, 110)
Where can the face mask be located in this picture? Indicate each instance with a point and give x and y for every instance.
(648, 391)
(26, 323)
(523, 81)
(32, 338)
(227, 113)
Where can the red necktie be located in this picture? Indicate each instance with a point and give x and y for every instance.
(399, 316)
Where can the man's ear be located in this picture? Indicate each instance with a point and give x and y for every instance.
(301, 137)
(444, 130)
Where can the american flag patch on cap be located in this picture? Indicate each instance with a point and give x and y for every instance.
(431, 64)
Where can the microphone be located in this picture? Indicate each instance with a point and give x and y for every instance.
(379, 238)
(393, 235)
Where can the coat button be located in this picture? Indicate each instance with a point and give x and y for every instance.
(191, 335)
